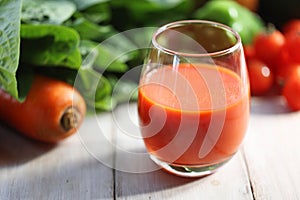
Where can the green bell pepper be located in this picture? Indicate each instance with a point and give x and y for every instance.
(232, 14)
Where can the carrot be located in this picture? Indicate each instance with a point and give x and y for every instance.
(52, 110)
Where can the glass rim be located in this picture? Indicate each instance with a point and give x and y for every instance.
(165, 27)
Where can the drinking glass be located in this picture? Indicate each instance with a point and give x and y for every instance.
(193, 98)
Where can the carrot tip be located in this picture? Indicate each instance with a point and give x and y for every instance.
(70, 119)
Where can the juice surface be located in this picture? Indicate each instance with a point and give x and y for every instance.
(193, 114)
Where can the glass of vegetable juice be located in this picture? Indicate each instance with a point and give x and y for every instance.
(193, 102)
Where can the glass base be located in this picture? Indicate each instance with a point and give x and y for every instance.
(192, 171)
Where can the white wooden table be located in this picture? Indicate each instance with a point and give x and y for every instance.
(107, 160)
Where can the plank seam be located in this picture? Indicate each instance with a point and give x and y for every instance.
(248, 173)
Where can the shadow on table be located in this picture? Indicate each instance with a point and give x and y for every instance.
(128, 183)
(17, 149)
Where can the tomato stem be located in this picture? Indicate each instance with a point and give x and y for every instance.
(270, 28)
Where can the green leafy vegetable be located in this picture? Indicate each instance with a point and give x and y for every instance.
(50, 45)
(125, 90)
(141, 13)
(87, 29)
(10, 12)
(83, 4)
(95, 88)
(151, 5)
(122, 47)
(52, 12)
(101, 58)
(98, 13)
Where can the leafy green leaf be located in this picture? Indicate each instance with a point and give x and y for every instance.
(50, 45)
(122, 47)
(94, 87)
(83, 4)
(151, 5)
(10, 12)
(106, 104)
(98, 13)
(48, 12)
(89, 30)
(101, 58)
(125, 90)
(142, 13)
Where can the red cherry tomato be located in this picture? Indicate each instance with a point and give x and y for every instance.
(261, 77)
(285, 71)
(267, 46)
(293, 45)
(249, 51)
(284, 64)
(283, 58)
(291, 90)
(292, 26)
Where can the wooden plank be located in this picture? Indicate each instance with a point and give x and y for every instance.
(231, 182)
(32, 170)
(272, 150)
(131, 155)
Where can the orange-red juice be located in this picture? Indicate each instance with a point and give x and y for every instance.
(193, 114)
